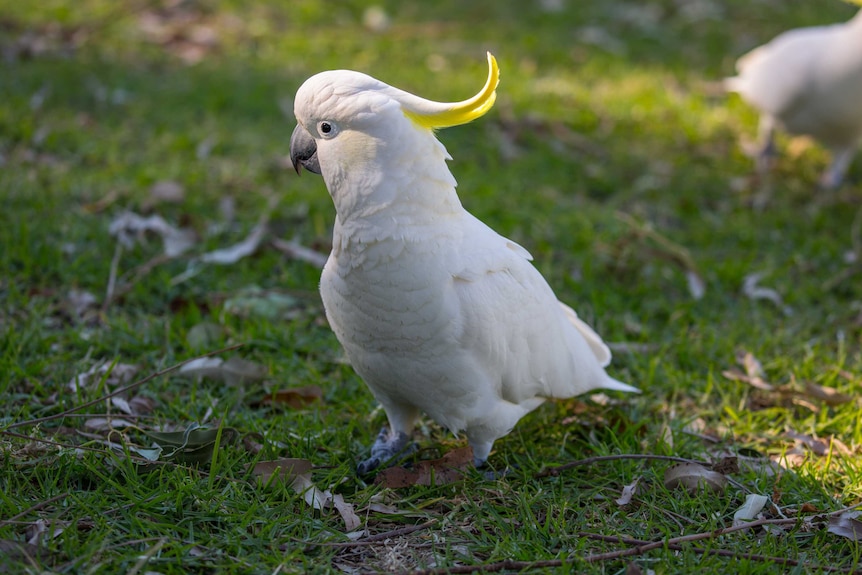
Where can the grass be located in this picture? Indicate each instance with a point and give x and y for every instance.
(608, 155)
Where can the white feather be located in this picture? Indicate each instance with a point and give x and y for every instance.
(436, 311)
(809, 81)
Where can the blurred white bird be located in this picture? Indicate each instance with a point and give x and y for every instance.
(808, 81)
(436, 311)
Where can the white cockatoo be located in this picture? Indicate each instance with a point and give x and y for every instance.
(436, 311)
(809, 82)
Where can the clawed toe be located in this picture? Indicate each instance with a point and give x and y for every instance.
(386, 447)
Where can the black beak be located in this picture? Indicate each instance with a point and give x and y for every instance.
(303, 151)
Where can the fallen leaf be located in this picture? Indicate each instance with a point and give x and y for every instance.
(443, 471)
(236, 252)
(694, 477)
(348, 515)
(255, 302)
(295, 398)
(234, 371)
(757, 382)
(753, 505)
(629, 491)
(818, 446)
(753, 291)
(696, 285)
(166, 191)
(846, 525)
(106, 423)
(284, 470)
(113, 374)
(203, 335)
(828, 395)
(78, 302)
(195, 444)
(130, 228)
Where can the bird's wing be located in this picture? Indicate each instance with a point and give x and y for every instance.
(515, 328)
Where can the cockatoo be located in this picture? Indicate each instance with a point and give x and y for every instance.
(437, 312)
(808, 81)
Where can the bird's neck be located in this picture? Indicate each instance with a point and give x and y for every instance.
(401, 185)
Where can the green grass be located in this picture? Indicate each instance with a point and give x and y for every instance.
(618, 129)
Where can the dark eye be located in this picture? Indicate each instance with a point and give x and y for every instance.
(327, 129)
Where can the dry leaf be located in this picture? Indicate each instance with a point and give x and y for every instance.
(166, 191)
(694, 477)
(106, 423)
(234, 371)
(629, 491)
(447, 469)
(203, 335)
(295, 398)
(755, 292)
(130, 228)
(115, 374)
(256, 302)
(348, 515)
(846, 525)
(753, 505)
(818, 446)
(236, 252)
(298, 252)
(828, 395)
(284, 470)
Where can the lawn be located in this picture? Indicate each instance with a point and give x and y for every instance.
(173, 400)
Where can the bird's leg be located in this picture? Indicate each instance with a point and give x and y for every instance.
(765, 145)
(834, 174)
(481, 450)
(387, 445)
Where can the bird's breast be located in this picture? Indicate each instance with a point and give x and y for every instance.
(390, 296)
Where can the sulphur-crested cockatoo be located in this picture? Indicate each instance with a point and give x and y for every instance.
(436, 311)
(808, 81)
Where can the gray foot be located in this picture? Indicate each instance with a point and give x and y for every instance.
(386, 446)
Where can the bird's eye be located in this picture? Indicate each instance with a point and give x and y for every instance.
(326, 129)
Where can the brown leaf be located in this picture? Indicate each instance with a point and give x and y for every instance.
(818, 446)
(828, 395)
(295, 398)
(694, 477)
(757, 382)
(348, 515)
(846, 525)
(285, 469)
(445, 470)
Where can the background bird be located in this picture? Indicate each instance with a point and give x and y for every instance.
(436, 311)
(808, 81)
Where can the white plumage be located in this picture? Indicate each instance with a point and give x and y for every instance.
(436, 311)
(808, 81)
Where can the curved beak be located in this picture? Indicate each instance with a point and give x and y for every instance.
(303, 151)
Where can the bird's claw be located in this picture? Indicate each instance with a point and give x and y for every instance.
(385, 448)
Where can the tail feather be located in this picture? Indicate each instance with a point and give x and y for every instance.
(616, 385)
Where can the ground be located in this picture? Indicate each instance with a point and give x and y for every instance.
(151, 217)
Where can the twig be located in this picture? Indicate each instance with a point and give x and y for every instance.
(119, 391)
(719, 552)
(641, 548)
(554, 471)
(375, 538)
(36, 507)
(112, 277)
(148, 554)
(299, 252)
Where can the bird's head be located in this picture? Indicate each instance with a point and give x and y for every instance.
(344, 117)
